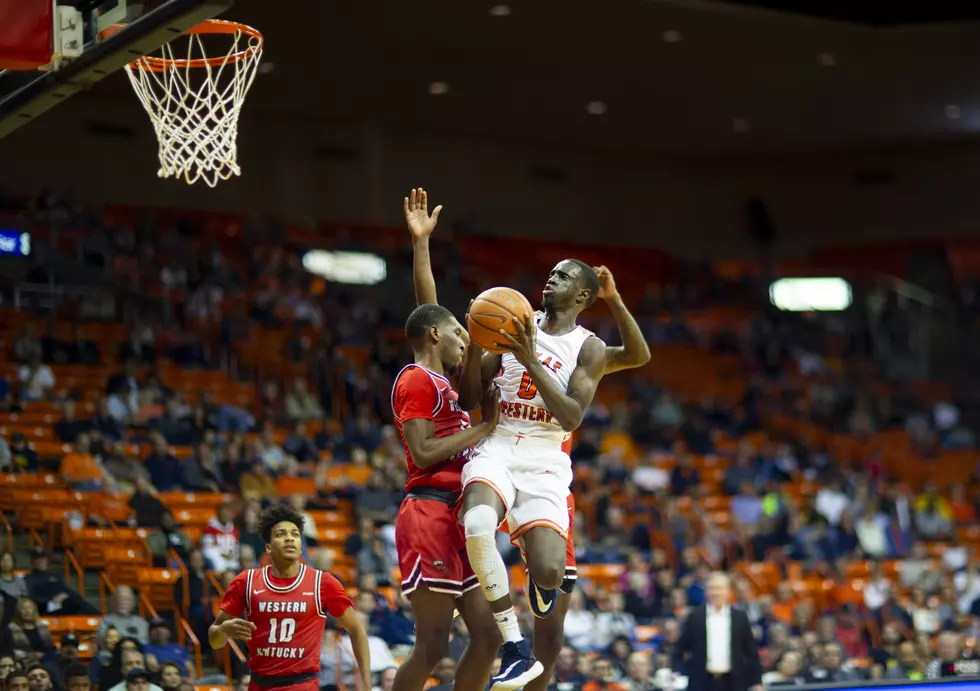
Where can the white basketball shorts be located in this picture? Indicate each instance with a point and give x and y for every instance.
(531, 476)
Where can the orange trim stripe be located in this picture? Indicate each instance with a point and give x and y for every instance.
(500, 495)
(538, 523)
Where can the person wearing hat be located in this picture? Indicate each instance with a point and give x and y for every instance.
(165, 650)
(50, 592)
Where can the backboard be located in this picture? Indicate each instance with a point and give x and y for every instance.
(55, 48)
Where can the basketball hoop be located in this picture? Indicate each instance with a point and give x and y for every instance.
(194, 102)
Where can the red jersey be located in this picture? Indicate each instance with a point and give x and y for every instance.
(421, 394)
(288, 616)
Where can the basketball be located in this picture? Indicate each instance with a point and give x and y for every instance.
(493, 310)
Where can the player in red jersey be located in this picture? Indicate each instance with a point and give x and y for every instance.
(281, 611)
(438, 436)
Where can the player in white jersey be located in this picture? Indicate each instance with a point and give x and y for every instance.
(519, 472)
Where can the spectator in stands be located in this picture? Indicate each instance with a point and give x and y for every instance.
(164, 650)
(603, 677)
(39, 678)
(168, 537)
(22, 456)
(51, 594)
(219, 543)
(137, 680)
(82, 471)
(933, 515)
(104, 657)
(147, 507)
(612, 621)
(170, 676)
(908, 666)
(256, 484)
(67, 657)
(355, 542)
(127, 656)
(123, 617)
(11, 584)
(32, 640)
(76, 678)
(639, 672)
(7, 665)
(197, 587)
(300, 404)
(201, 473)
(947, 664)
(27, 345)
(376, 500)
(18, 681)
(830, 668)
(374, 559)
(579, 622)
(36, 380)
(69, 427)
(249, 528)
(161, 465)
(787, 672)
(122, 395)
(299, 445)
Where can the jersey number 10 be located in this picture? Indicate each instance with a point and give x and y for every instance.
(281, 631)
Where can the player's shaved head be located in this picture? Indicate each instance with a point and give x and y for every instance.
(274, 515)
(422, 319)
(588, 280)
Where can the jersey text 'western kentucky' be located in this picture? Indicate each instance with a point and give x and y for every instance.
(288, 615)
(522, 410)
(421, 394)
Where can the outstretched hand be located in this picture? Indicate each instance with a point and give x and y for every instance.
(607, 284)
(524, 345)
(416, 208)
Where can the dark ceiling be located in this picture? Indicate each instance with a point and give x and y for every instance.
(677, 77)
(871, 12)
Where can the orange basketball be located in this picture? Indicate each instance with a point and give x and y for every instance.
(493, 310)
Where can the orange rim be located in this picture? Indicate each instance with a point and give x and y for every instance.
(210, 26)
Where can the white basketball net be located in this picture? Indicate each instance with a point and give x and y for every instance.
(194, 107)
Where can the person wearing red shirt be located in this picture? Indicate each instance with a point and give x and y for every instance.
(437, 435)
(280, 610)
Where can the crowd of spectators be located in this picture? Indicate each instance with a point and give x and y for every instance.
(618, 637)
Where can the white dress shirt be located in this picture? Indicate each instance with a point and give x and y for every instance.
(719, 631)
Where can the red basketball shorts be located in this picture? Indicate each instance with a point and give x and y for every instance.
(432, 548)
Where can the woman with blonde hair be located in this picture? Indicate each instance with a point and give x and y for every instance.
(31, 636)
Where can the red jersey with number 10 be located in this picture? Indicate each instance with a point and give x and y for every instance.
(288, 615)
(421, 394)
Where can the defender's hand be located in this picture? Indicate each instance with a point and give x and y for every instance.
(524, 345)
(238, 628)
(607, 284)
(490, 406)
(416, 208)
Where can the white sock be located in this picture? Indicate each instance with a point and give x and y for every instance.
(480, 524)
(509, 628)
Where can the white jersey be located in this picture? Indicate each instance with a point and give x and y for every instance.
(522, 410)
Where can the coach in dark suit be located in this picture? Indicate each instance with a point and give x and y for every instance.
(716, 650)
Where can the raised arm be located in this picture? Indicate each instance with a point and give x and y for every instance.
(420, 225)
(567, 406)
(634, 352)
